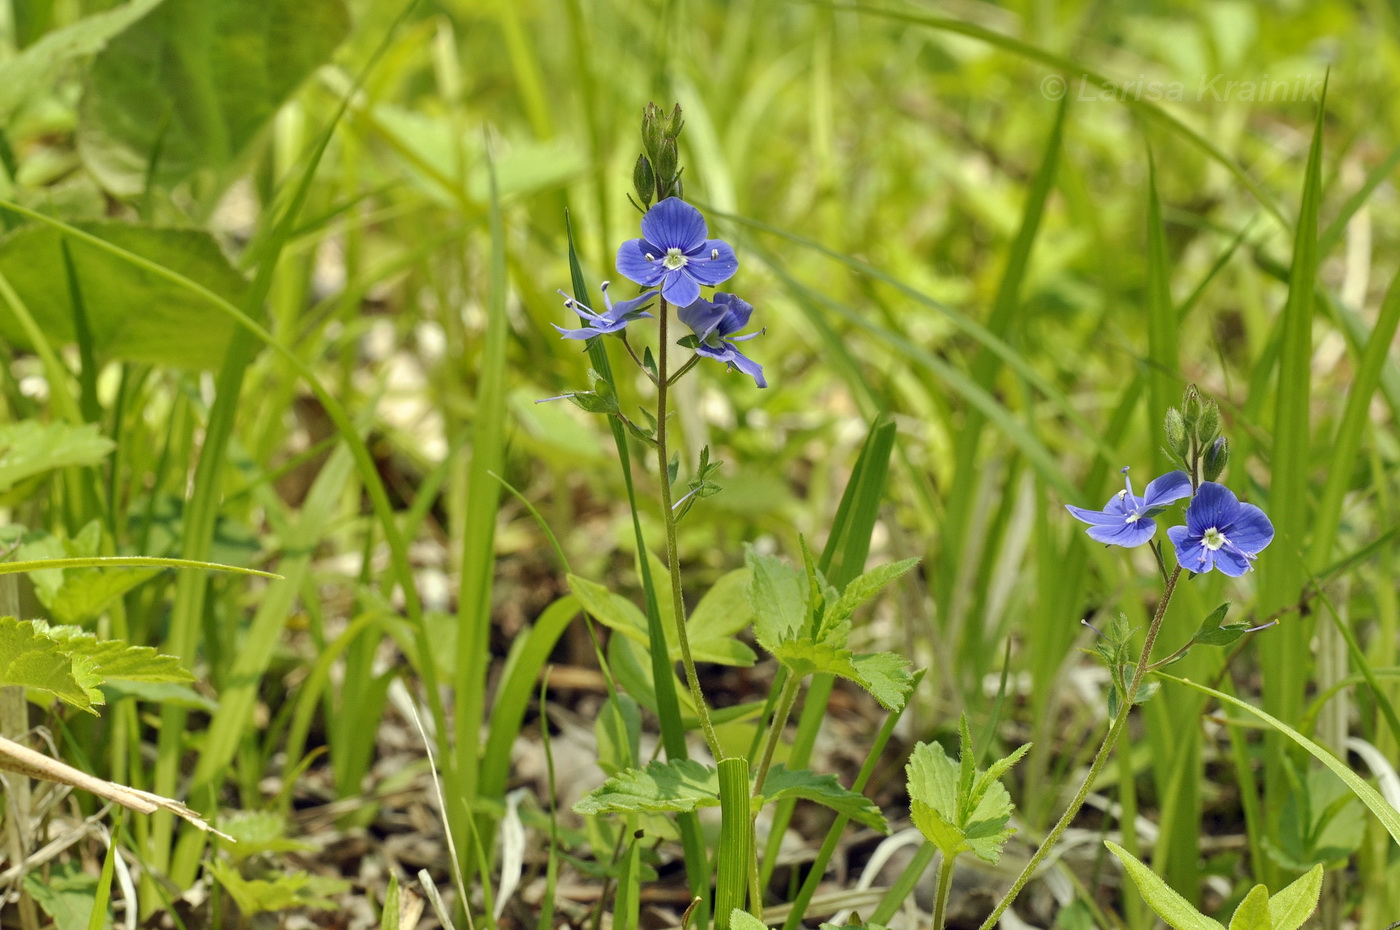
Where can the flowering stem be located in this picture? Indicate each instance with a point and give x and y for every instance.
(673, 563)
(1100, 758)
(680, 372)
(945, 887)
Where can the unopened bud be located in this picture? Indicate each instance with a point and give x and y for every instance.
(1191, 408)
(644, 180)
(667, 160)
(1208, 428)
(653, 127)
(1176, 434)
(1216, 458)
(674, 124)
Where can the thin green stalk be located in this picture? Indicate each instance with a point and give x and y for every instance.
(673, 563)
(945, 887)
(775, 729)
(1101, 757)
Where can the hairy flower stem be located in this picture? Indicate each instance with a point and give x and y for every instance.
(673, 561)
(775, 730)
(1100, 758)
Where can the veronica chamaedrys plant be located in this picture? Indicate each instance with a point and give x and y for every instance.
(1126, 520)
(1220, 532)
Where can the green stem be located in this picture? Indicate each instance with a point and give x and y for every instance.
(775, 729)
(673, 563)
(945, 887)
(1101, 757)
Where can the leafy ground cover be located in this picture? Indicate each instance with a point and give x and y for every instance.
(279, 298)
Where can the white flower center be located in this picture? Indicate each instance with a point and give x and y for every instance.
(1133, 517)
(673, 259)
(1213, 539)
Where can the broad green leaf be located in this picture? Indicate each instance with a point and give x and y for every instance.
(190, 85)
(677, 785)
(32, 73)
(860, 590)
(31, 447)
(723, 611)
(778, 595)
(825, 790)
(743, 920)
(618, 731)
(1292, 906)
(710, 643)
(159, 693)
(132, 314)
(884, 674)
(30, 659)
(1170, 906)
(1253, 912)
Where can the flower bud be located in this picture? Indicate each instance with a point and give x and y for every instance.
(653, 127)
(644, 180)
(1216, 458)
(1176, 434)
(674, 124)
(1208, 428)
(1191, 408)
(667, 160)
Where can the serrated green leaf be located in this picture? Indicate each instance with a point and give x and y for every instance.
(1170, 906)
(721, 613)
(743, 920)
(114, 659)
(861, 589)
(280, 893)
(1291, 907)
(778, 596)
(258, 832)
(195, 81)
(825, 790)
(1253, 911)
(952, 816)
(29, 659)
(884, 674)
(31, 447)
(67, 893)
(675, 785)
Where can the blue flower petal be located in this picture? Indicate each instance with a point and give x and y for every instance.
(1172, 486)
(702, 317)
(679, 288)
(736, 313)
(1252, 531)
(675, 224)
(632, 263)
(747, 365)
(1231, 562)
(1124, 534)
(1213, 506)
(709, 270)
(1096, 517)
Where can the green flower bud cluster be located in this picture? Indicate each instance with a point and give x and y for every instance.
(657, 172)
(1194, 437)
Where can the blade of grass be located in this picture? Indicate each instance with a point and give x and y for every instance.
(1283, 655)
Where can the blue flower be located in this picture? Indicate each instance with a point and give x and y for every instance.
(715, 325)
(675, 254)
(610, 321)
(1126, 520)
(1220, 532)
